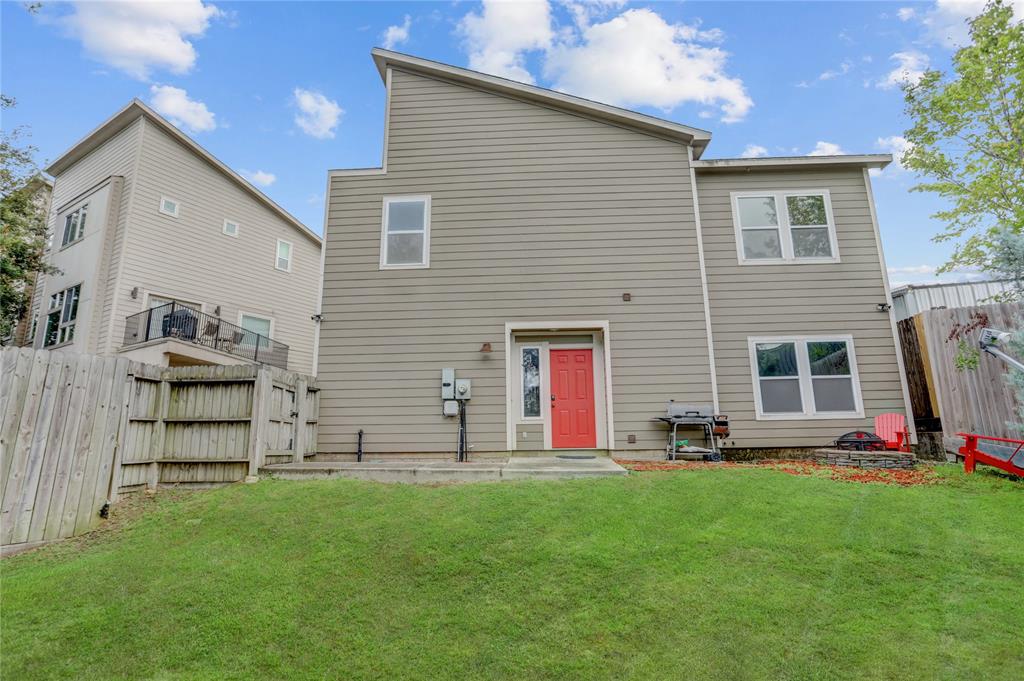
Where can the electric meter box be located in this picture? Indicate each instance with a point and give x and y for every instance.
(449, 408)
(447, 384)
(463, 389)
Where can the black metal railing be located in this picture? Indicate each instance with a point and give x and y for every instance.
(184, 323)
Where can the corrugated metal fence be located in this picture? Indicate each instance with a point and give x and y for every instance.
(77, 430)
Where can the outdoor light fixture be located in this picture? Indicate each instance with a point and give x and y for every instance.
(486, 347)
(216, 311)
(135, 293)
(883, 307)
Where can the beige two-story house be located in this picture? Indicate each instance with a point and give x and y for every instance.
(582, 265)
(166, 255)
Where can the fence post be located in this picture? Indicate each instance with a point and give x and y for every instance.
(163, 410)
(299, 438)
(119, 445)
(262, 387)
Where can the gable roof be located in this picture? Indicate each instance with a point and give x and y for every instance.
(685, 134)
(136, 108)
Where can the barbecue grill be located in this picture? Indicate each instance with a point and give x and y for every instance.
(700, 416)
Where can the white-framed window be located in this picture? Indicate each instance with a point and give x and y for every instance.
(61, 316)
(169, 206)
(805, 377)
(784, 227)
(529, 356)
(230, 227)
(74, 225)
(258, 329)
(284, 256)
(405, 232)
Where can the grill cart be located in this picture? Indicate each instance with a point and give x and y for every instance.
(690, 416)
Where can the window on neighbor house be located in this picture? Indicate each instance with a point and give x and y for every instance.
(61, 316)
(169, 206)
(531, 382)
(780, 227)
(806, 377)
(231, 228)
(284, 256)
(74, 225)
(256, 327)
(405, 234)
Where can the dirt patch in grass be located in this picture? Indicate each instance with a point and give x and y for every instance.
(901, 477)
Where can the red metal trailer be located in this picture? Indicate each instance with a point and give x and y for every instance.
(1008, 455)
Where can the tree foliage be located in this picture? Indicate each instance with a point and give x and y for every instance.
(967, 136)
(22, 226)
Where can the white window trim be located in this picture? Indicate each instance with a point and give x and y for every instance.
(62, 225)
(177, 207)
(806, 389)
(61, 324)
(785, 230)
(425, 198)
(541, 362)
(244, 313)
(277, 255)
(227, 222)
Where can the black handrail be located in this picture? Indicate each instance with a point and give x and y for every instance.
(174, 320)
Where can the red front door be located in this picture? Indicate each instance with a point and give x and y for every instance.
(572, 399)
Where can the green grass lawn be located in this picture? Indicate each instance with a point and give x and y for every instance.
(720, 574)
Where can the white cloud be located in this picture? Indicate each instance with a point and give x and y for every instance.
(928, 274)
(259, 177)
(754, 151)
(826, 149)
(137, 37)
(910, 68)
(945, 23)
(173, 103)
(896, 145)
(499, 36)
(639, 59)
(318, 116)
(396, 35)
(830, 74)
(906, 13)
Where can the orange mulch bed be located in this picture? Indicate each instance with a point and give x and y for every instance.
(885, 476)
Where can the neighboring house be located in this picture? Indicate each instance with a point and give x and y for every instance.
(170, 257)
(908, 300)
(42, 189)
(582, 266)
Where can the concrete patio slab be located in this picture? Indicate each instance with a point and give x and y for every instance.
(526, 468)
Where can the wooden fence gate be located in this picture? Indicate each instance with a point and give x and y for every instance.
(77, 430)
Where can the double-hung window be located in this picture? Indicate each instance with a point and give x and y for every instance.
(405, 233)
(284, 256)
(61, 315)
(784, 227)
(798, 377)
(74, 225)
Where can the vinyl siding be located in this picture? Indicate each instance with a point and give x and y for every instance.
(116, 157)
(793, 299)
(190, 258)
(536, 215)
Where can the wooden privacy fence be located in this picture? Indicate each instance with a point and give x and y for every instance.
(966, 400)
(77, 430)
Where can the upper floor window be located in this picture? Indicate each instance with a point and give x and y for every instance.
(284, 255)
(61, 316)
(405, 233)
(169, 206)
(230, 227)
(74, 225)
(805, 377)
(784, 227)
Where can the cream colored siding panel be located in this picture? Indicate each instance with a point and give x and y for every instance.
(115, 157)
(796, 299)
(189, 257)
(536, 215)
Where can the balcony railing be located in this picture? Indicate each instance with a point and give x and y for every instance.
(183, 323)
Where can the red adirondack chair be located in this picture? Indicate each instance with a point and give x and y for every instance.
(893, 429)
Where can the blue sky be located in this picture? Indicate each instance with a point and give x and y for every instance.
(284, 91)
